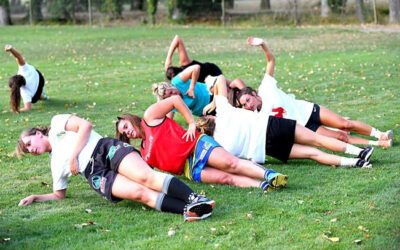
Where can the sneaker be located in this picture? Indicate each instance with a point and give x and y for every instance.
(363, 164)
(388, 135)
(199, 209)
(276, 180)
(264, 185)
(366, 153)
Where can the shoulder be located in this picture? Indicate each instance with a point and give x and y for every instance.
(58, 122)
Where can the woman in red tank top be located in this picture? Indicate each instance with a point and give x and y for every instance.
(167, 146)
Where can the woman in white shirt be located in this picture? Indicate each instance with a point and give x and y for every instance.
(113, 169)
(271, 99)
(28, 83)
(251, 135)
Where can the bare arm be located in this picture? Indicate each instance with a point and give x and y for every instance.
(267, 52)
(56, 195)
(156, 113)
(192, 73)
(27, 106)
(220, 88)
(183, 56)
(16, 54)
(83, 129)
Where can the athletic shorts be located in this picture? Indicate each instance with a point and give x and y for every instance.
(39, 90)
(198, 159)
(280, 137)
(103, 165)
(314, 122)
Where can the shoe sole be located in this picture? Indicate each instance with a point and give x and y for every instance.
(368, 156)
(278, 182)
(196, 218)
(390, 134)
(201, 209)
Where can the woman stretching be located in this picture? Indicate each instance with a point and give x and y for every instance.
(28, 83)
(168, 147)
(257, 135)
(271, 99)
(113, 169)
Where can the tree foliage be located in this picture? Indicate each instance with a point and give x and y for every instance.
(337, 6)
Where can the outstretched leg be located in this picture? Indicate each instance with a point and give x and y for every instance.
(213, 175)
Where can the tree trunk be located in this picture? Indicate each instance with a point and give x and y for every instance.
(324, 8)
(394, 11)
(360, 10)
(295, 13)
(4, 18)
(265, 4)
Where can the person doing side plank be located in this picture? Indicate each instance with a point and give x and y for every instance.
(251, 135)
(28, 83)
(271, 99)
(168, 147)
(113, 169)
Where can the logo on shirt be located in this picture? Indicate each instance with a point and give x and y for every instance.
(96, 181)
(279, 112)
(103, 184)
(112, 151)
(146, 158)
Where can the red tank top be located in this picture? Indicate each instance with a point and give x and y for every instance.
(164, 148)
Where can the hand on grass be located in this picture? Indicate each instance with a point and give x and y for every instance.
(190, 133)
(26, 201)
(73, 166)
(254, 41)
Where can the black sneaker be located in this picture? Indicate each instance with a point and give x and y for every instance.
(366, 153)
(363, 164)
(199, 209)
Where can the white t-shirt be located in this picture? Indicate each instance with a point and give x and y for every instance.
(278, 103)
(62, 144)
(239, 131)
(32, 81)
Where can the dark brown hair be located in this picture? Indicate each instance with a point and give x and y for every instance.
(172, 71)
(21, 149)
(15, 83)
(134, 120)
(245, 91)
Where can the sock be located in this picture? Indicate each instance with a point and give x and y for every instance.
(267, 173)
(375, 143)
(375, 133)
(175, 188)
(344, 161)
(353, 150)
(169, 204)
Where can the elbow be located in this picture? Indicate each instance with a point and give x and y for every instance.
(272, 58)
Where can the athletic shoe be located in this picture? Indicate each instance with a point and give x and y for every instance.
(363, 164)
(366, 153)
(264, 185)
(388, 135)
(199, 209)
(276, 180)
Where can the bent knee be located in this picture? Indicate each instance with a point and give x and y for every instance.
(343, 136)
(226, 179)
(348, 125)
(232, 162)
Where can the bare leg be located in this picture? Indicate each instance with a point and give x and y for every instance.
(213, 175)
(126, 189)
(222, 160)
(342, 136)
(307, 152)
(305, 136)
(134, 168)
(334, 120)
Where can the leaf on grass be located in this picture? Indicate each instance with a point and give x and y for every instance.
(171, 232)
(250, 216)
(105, 230)
(213, 229)
(6, 239)
(334, 219)
(281, 228)
(317, 220)
(371, 204)
(78, 226)
(144, 208)
(45, 184)
(357, 241)
(332, 239)
(230, 222)
(361, 228)
(367, 236)
(88, 210)
(300, 201)
(1, 212)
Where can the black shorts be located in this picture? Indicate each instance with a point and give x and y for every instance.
(39, 90)
(280, 137)
(205, 69)
(314, 122)
(103, 165)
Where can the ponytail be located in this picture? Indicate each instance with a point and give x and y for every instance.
(15, 83)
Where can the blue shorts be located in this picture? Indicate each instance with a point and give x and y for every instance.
(198, 159)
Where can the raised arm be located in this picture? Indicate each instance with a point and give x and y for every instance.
(267, 52)
(16, 54)
(56, 195)
(183, 56)
(191, 72)
(156, 113)
(83, 129)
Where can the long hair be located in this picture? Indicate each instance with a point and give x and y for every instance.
(172, 71)
(134, 120)
(21, 149)
(205, 125)
(245, 91)
(15, 83)
(159, 89)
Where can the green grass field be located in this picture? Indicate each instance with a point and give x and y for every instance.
(98, 73)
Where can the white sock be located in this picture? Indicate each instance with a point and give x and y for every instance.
(375, 133)
(375, 143)
(344, 161)
(353, 150)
